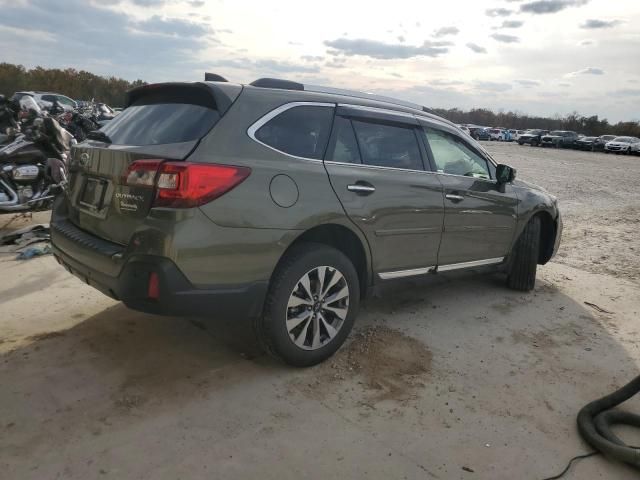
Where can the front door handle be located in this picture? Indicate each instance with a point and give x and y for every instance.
(361, 188)
(453, 197)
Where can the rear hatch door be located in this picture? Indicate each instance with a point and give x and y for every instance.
(162, 122)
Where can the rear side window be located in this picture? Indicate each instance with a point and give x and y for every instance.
(160, 123)
(386, 145)
(301, 131)
(343, 146)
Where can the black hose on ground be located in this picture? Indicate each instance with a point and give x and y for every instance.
(596, 418)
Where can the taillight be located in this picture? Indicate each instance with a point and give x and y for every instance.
(141, 173)
(184, 184)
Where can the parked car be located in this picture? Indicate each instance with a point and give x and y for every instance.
(480, 133)
(559, 139)
(532, 137)
(465, 129)
(585, 143)
(628, 145)
(496, 134)
(601, 141)
(515, 134)
(47, 99)
(288, 204)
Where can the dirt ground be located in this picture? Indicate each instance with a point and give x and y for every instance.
(449, 377)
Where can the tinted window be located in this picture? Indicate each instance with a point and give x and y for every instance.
(455, 157)
(48, 98)
(159, 123)
(300, 131)
(388, 146)
(343, 146)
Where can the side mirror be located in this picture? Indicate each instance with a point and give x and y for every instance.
(505, 174)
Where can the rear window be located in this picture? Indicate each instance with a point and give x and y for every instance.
(160, 123)
(302, 131)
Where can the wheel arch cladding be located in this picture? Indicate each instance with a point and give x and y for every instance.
(547, 236)
(344, 240)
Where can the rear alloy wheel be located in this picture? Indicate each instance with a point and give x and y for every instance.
(523, 262)
(311, 306)
(317, 308)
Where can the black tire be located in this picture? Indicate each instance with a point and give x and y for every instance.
(271, 329)
(520, 143)
(524, 258)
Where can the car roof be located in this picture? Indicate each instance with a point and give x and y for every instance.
(302, 92)
(352, 97)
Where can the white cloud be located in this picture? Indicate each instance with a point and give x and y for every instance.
(254, 39)
(586, 71)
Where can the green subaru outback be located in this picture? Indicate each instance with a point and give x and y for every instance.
(287, 204)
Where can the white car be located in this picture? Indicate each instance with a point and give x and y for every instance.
(465, 129)
(515, 134)
(626, 145)
(47, 99)
(496, 134)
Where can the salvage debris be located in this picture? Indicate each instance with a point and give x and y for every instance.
(34, 252)
(598, 308)
(18, 241)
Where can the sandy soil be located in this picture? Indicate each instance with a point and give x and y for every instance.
(449, 377)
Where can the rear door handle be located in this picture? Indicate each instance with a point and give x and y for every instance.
(361, 188)
(453, 197)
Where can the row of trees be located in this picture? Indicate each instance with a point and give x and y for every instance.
(77, 84)
(82, 85)
(578, 123)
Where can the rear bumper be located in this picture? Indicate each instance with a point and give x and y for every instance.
(127, 280)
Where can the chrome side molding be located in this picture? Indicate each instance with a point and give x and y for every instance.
(475, 263)
(406, 273)
(440, 268)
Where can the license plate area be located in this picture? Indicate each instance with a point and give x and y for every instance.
(93, 191)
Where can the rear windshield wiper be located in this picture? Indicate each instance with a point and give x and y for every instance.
(99, 135)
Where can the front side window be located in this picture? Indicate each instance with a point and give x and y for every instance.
(453, 156)
(302, 131)
(386, 145)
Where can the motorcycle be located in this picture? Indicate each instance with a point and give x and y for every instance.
(9, 126)
(33, 167)
(77, 122)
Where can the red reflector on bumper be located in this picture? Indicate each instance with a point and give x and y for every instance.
(153, 290)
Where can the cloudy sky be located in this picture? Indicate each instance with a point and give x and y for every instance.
(537, 56)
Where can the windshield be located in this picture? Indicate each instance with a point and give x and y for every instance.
(625, 139)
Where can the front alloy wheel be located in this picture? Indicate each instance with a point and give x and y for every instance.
(317, 307)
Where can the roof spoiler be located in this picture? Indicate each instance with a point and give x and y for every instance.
(213, 95)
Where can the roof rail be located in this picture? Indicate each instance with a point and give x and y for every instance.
(290, 85)
(277, 83)
(363, 95)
